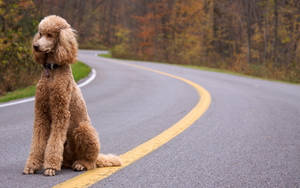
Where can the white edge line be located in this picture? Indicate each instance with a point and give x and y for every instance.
(17, 102)
(86, 82)
(89, 80)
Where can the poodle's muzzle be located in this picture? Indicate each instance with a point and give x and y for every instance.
(44, 44)
(36, 48)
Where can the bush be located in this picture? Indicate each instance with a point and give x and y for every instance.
(17, 26)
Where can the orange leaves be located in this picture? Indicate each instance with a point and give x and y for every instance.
(25, 4)
(152, 26)
(146, 29)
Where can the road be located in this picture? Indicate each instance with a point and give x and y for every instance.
(249, 136)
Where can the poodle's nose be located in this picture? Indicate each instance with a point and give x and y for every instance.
(36, 47)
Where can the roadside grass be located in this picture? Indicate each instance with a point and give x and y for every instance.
(224, 71)
(18, 94)
(79, 69)
(109, 55)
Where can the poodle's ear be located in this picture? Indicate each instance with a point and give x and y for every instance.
(38, 56)
(66, 49)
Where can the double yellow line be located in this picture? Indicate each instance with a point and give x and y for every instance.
(92, 176)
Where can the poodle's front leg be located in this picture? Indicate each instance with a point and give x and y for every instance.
(59, 102)
(41, 131)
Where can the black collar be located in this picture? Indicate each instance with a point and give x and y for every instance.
(50, 66)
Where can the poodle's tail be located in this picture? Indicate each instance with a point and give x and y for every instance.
(108, 160)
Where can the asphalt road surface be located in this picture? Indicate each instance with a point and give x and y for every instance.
(249, 136)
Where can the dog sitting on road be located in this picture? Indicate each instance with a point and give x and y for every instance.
(62, 132)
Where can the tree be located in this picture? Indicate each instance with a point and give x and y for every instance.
(17, 25)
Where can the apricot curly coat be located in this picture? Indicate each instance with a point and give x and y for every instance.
(62, 132)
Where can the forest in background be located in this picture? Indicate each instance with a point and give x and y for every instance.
(255, 37)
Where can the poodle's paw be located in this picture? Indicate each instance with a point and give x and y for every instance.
(49, 172)
(32, 166)
(77, 166)
(27, 171)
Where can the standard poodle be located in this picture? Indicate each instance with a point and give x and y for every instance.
(62, 132)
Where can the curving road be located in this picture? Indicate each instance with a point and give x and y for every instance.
(249, 137)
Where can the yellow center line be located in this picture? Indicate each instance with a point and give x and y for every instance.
(92, 176)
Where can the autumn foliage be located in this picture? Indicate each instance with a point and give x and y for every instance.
(17, 25)
(259, 38)
(255, 37)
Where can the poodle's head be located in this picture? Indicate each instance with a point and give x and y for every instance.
(55, 37)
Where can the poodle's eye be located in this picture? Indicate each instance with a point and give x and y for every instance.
(49, 35)
(40, 34)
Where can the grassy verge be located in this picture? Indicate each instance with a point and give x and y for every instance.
(220, 71)
(109, 55)
(19, 93)
(79, 69)
(235, 73)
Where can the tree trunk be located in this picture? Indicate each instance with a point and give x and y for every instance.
(275, 47)
(249, 20)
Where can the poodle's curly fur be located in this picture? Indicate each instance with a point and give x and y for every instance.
(62, 132)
